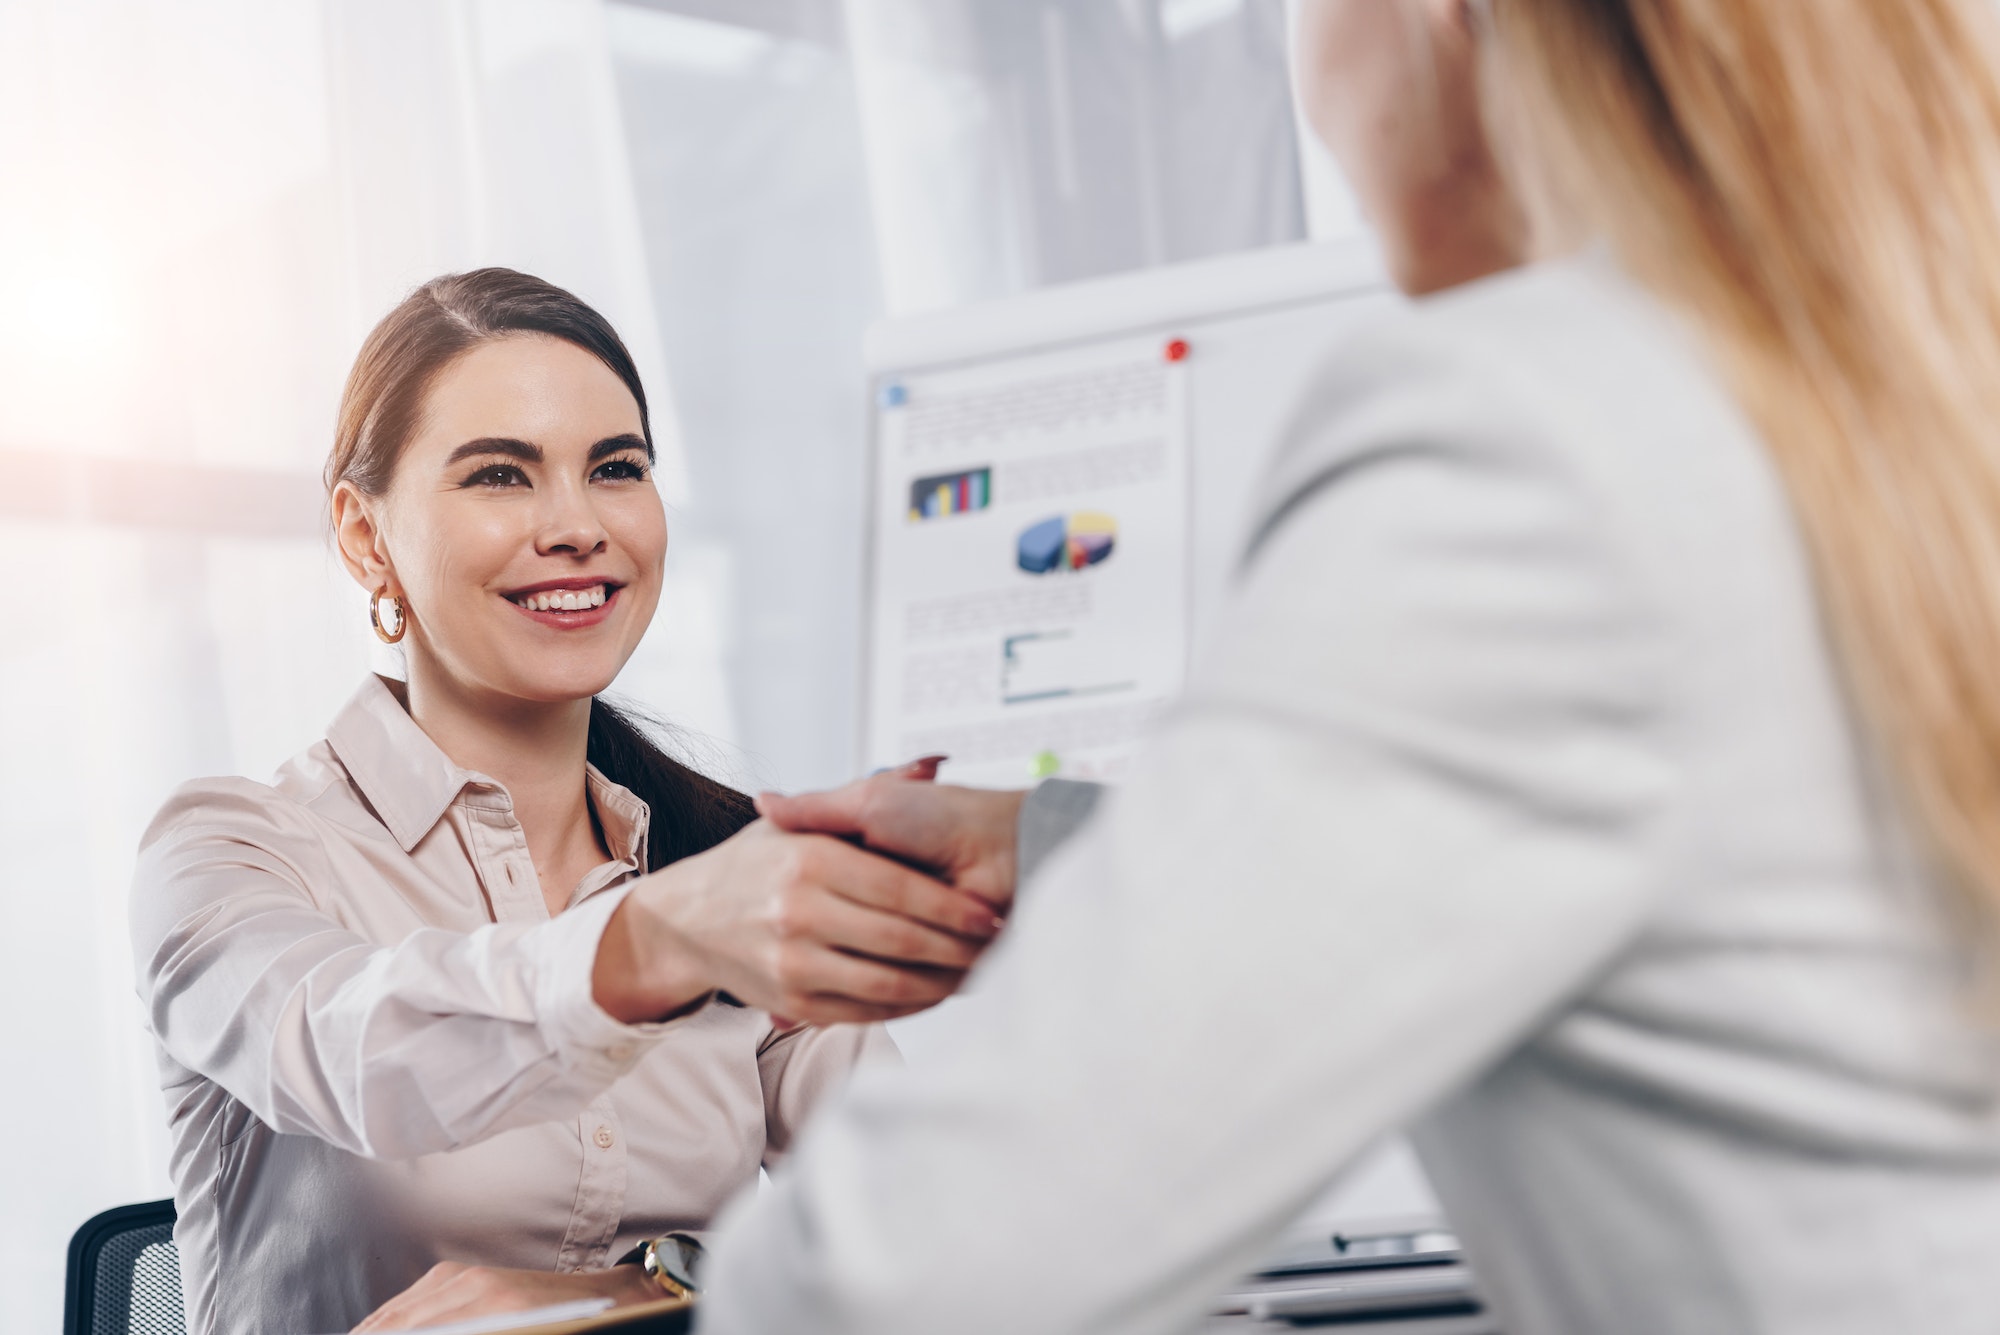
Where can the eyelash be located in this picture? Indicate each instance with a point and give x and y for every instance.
(496, 476)
(499, 476)
(630, 470)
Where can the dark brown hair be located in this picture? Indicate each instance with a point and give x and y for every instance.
(379, 412)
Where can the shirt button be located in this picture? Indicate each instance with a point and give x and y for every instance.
(603, 1137)
(618, 1052)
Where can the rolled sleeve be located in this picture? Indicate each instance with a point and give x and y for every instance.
(437, 1040)
(592, 1044)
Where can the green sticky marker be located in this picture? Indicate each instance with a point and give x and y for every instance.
(1045, 765)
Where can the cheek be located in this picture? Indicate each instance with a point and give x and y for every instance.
(453, 547)
(638, 525)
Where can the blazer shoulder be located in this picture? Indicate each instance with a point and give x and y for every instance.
(1568, 370)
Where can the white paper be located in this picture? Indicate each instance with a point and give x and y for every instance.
(540, 1316)
(1030, 583)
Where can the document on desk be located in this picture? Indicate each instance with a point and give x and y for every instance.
(583, 1316)
(556, 1313)
(1030, 580)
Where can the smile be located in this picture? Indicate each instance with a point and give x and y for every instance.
(567, 604)
(561, 600)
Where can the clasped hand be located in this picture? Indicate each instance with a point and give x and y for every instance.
(805, 914)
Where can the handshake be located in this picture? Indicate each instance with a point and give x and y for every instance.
(855, 905)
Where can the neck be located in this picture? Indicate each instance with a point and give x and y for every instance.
(535, 750)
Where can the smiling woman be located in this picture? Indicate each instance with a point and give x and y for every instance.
(542, 418)
(484, 985)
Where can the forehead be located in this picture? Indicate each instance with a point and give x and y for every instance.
(527, 387)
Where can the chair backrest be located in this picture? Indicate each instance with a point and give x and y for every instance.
(125, 1274)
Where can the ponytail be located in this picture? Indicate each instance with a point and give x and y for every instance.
(691, 812)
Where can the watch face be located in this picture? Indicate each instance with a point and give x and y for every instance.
(679, 1258)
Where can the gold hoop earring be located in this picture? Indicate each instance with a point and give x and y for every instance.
(375, 618)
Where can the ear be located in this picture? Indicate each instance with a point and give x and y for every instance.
(358, 533)
(1453, 25)
(1463, 19)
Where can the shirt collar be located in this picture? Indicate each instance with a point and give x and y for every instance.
(622, 815)
(411, 782)
(404, 775)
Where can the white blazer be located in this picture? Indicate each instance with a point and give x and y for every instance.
(1518, 800)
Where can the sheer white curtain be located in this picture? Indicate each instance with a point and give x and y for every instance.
(206, 206)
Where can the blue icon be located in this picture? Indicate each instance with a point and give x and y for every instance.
(894, 396)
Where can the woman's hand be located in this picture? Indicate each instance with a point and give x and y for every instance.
(450, 1292)
(803, 925)
(966, 835)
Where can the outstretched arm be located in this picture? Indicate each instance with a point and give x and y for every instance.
(1414, 802)
(446, 1037)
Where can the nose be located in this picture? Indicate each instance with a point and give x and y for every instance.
(569, 523)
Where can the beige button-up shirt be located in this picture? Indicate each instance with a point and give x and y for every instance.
(379, 1051)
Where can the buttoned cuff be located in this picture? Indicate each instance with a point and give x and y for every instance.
(587, 1039)
(1054, 810)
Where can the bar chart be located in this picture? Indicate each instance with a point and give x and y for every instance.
(951, 494)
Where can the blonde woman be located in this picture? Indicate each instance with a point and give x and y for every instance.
(1599, 770)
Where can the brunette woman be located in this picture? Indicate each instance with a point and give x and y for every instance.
(485, 977)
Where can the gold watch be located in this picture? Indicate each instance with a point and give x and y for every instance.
(673, 1260)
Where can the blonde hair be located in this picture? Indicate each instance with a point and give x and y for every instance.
(1818, 183)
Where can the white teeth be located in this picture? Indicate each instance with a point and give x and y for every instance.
(564, 600)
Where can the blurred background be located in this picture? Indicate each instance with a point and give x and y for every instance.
(204, 206)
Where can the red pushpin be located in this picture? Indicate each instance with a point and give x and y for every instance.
(1177, 350)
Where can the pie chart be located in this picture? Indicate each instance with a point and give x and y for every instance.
(1066, 542)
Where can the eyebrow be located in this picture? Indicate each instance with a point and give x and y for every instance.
(529, 453)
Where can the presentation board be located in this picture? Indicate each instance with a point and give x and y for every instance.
(1060, 484)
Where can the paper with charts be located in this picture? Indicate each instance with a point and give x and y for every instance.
(1030, 582)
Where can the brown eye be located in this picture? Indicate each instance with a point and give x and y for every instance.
(498, 475)
(621, 470)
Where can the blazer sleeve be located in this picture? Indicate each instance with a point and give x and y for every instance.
(1415, 799)
(1053, 812)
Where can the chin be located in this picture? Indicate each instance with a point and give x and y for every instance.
(561, 687)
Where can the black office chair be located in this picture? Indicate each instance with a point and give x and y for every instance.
(125, 1274)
